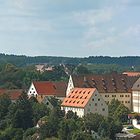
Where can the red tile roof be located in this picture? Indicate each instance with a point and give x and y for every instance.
(78, 97)
(50, 88)
(13, 93)
(132, 73)
(107, 83)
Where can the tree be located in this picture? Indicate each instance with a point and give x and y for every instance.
(21, 113)
(114, 104)
(4, 104)
(121, 113)
(81, 70)
(39, 111)
(81, 136)
(118, 111)
(92, 122)
(71, 115)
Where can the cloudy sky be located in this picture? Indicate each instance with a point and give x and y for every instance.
(70, 27)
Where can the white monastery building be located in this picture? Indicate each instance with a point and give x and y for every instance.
(136, 96)
(84, 101)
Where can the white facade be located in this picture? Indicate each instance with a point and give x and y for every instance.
(70, 86)
(136, 101)
(95, 104)
(32, 91)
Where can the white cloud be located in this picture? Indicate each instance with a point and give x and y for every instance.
(132, 31)
(93, 17)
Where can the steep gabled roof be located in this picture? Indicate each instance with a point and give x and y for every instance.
(136, 85)
(78, 97)
(50, 88)
(106, 83)
(132, 73)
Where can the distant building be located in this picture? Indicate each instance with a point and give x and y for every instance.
(84, 101)
(132, 73)
(43, 67)
(14, 94)
(50, 101)
(136, 96)
(40, 67)
(110, 86)
(41, 89)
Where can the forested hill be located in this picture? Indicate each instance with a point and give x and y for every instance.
(25, 60)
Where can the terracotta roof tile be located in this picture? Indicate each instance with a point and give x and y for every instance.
(78, 97)
(13, 93)
(51, 88)
(132, 73)
(107, 83)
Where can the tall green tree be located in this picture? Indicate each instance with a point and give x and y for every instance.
(4, 104)
(21, 113)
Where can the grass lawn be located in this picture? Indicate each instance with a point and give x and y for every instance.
(135, 131)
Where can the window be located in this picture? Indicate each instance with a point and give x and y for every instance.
(113, 95)
(95, 104)
(92, 99)
(128, 102)
(125, 101)
(89, 104)
(122, 102)
(125, 95)
(99, 99)
(106, 95)
(103, 109)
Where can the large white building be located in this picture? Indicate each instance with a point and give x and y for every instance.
(136, 96)
(84, 101)
(110, 86)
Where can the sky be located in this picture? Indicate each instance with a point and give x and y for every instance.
(72, 28)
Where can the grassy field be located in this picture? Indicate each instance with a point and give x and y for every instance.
(135, 131)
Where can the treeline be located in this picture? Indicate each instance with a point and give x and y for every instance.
(18, 121)
(26, 60)
(13, 77)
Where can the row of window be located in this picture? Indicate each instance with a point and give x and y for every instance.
(98, 99)
(125, 102)
(74, 109)
(103, 109)
(120, 96)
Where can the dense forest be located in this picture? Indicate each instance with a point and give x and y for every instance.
(26, 60)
